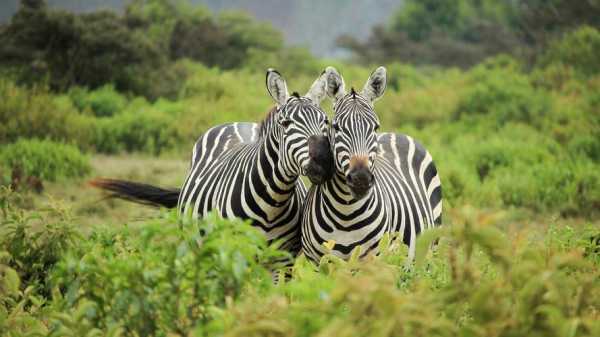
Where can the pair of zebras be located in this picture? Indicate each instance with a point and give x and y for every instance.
(365, 184)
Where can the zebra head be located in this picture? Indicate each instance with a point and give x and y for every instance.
(354, 131)
(303, 129)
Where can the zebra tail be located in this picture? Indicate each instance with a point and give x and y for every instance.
(137, 192)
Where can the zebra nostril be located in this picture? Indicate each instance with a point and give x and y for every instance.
(349, 178)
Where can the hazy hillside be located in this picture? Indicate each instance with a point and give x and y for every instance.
(312, 23)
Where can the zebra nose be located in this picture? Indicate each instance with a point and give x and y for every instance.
(360, 178)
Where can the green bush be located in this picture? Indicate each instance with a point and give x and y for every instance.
(148, 130)
(479, 282)
(45, 159)
(213, 278)
(578, 49)
(160, 278)
(103, 102)
(36, 113)
(19, 309)
(504, 95)
(34, 242)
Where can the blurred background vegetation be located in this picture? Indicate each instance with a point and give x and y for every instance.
(504, 94)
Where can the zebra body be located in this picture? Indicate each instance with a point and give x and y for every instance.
(234, 172)
(384, 183)
(251, 171)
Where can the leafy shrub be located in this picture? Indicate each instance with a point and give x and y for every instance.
(149, 131)
(504, 95)
(291, 61)
(579, 49)
(160, 278)
(586, 146)
(45, 159)
(19, 309)
(103, 102)
(538, 186)
(35, 113)
(479, 282)
(34, 242)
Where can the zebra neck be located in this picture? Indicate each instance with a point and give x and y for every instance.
(268, 170)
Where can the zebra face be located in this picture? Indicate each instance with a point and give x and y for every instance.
(354, 131)
(354, 138)
(304, 144)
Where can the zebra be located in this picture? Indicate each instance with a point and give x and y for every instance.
(251, 171)
(383, 182)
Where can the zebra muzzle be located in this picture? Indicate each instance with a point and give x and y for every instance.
(320, 163)
(360, 181)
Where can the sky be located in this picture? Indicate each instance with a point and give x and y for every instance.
(311, 23)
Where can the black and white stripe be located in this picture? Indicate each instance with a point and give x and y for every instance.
(384, 183)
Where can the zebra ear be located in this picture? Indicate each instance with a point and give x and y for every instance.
(328, 84)
(277, 87)
(336, 88)
(375, 86)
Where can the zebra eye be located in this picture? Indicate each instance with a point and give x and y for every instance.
(286, 122)
(335, 126)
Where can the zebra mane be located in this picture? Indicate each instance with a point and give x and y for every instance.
(267, 122)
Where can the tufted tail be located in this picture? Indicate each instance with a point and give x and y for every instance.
(138, 192)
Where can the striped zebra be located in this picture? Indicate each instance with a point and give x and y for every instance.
(251, 171)
(383, 183)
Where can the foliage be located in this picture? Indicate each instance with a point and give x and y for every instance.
(488, 275)
(45, 159)
(578, 49)
(18, 308)
(161, 277)
(505, 95)
(478, 283)
(464, 32)
(543, 21)
(135, 52)
(35, 113)
(90, 49)
(103, 102)
(33, 243)
(448, 33)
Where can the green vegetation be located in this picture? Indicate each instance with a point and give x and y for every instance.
(212, 278)
(464, 32)
(46, 160)
(516, 141)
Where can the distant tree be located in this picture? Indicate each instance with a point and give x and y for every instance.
(88, 49)
(185, 31)
(201, 40)
(542, 20)
(464, 32)
(243, 33)
(135, 51)
(445, 32)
